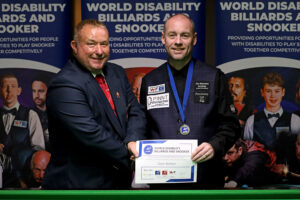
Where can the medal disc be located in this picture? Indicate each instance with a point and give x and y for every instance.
(184, 129)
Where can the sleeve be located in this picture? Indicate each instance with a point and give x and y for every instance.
(36, 131)
(254, 162)
(68, 107)
(228, 127)
(248, 131)
(136, 125)
(143, 101)
(295, 124)
(143, 94)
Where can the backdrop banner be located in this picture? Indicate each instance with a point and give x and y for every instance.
(258, 46)
(255, 37)
(34, 46)
(34, 40)
(135, 29)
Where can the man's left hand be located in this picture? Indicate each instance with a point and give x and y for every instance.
(203, 152)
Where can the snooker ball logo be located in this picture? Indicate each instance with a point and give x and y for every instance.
(148, 149)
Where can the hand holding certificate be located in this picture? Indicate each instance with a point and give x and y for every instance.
(165, 161)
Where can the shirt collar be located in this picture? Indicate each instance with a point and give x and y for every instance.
(280, 111)
(17, 105)
(182, 72)
(101, 73)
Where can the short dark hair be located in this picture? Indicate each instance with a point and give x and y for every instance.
(82, 23)
(8, 75)
(242, 78)
(273, 78)
(247, 97)
(240, 143)
(42, 79)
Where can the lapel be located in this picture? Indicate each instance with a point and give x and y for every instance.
(114, 88)
(106, 106)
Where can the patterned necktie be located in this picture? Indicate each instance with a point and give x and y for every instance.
(100, 79)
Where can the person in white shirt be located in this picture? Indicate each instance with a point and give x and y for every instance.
(21, 131)
(265, 126)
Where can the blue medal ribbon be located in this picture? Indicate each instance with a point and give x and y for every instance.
(186, 90)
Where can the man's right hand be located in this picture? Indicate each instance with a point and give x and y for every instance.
(203, 153)
(132, 150)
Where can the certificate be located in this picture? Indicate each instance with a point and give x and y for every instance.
(165, 161)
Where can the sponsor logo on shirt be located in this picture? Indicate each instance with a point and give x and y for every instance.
(156, 89)
(158, 101)
(20, 123)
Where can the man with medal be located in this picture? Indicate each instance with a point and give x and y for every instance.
(186, 99)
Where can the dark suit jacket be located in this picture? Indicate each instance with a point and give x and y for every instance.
(88, 141)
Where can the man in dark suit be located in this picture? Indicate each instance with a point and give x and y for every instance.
(93, 126)
(207, 113)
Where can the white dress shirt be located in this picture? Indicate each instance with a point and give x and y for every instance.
(248, 131)
(34, 125)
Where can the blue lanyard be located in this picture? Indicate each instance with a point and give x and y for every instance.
(186, 90)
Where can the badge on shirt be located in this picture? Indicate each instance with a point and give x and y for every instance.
(233, 109)
(20, 123)
(156, 89)
(282, 129)
(158, 101)
(201, 94)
